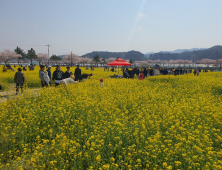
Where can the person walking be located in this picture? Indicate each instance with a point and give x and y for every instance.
(68, 73)
(57, 75)
(19, 79)
(49, 73)
(77, 73)
(42, 76)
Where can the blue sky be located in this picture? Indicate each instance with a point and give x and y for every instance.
(82, 26)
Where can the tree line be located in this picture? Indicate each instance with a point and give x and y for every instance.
(22, 57)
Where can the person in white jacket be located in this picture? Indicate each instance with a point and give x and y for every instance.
(68, 81)
(43, 76)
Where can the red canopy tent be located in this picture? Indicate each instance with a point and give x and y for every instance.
(119, 62)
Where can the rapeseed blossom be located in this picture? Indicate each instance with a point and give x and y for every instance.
(158, 123)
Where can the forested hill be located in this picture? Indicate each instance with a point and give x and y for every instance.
(134, 55)
(209, 53)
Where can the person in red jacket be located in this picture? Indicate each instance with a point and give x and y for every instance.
(141, 76)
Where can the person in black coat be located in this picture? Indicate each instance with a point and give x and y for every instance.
(125, 73)
(77, 73)
(151, 72)
(129, 73)
(132, 74)
(137, 72)
(84, 76)
(57, 75)
(68, 73)
(145, 73)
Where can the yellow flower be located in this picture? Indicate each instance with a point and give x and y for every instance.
(127, 124)
(164, 165)
(112, 159)
(51, 163)
(98, 158)
(177, 163)
(169, 168)
(20, 168)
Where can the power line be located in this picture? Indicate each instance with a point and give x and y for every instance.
(62, 53)
(61, 48)
(20, 45)
(66, 49)
(44, 45)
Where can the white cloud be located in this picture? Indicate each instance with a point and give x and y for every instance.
(140, 28)
(140, 15)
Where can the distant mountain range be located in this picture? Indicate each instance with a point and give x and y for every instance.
(175, 51)
(185, 54)
(134, 55)
(192, 54)
(184, 50)
(147, 55)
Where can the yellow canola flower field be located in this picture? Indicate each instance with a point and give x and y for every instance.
(163, 122)
(32, 79)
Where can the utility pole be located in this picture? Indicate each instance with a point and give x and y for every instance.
(71, 58)
(48, 52)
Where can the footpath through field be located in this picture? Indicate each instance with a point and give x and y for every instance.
(12, 94)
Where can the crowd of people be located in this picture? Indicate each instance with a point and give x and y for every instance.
(24, 68)
(144, 72)
(140, 74)
(46, 77)
(59, 77)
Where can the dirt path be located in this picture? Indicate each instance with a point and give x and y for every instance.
(12, 94)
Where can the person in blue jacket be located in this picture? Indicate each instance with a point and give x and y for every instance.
(49, 73)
